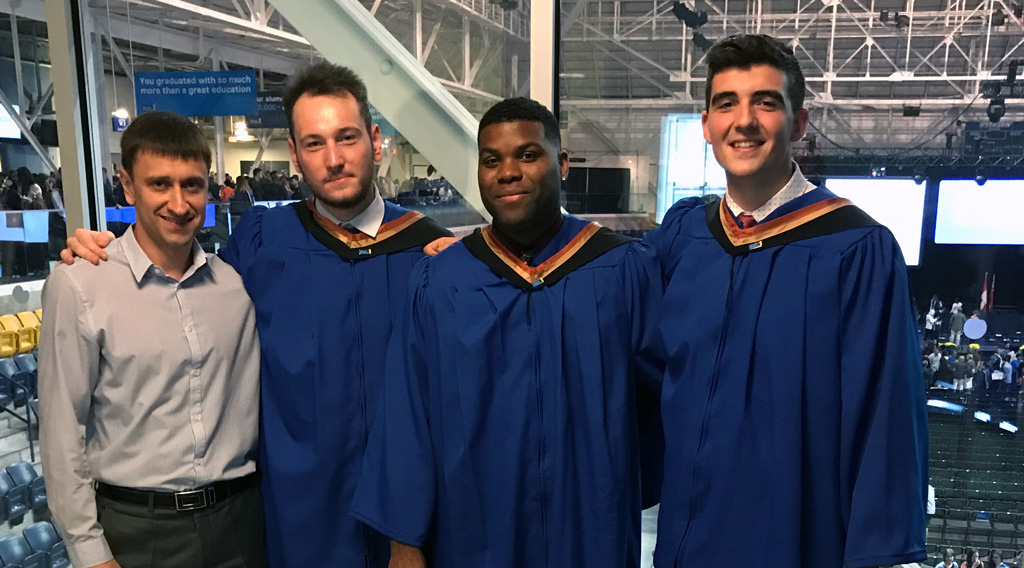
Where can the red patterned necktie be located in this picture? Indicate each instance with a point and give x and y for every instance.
(745, 221)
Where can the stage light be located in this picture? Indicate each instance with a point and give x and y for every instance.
(911, 111)
(884, 16)
(700, 42)
(999, 18)
(688, 17)
(982, 416)
(1008, 427)
(902, 21)
(1011, 73)
(945, 405)
(996, 110)
(981, 178)
(920, 178)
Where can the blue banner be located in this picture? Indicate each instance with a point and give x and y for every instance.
(270, 106)
(197, 93)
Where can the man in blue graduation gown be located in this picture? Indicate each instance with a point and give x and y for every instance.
(508, 434)
(794, 421)
(326, 277)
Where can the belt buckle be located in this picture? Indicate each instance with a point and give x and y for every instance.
(193, 500)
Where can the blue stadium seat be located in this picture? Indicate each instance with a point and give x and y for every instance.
(42, 538)
(26, 363)
(22, 473)
(18, 498)
(12, 381)
(15, 550)
(56, 529)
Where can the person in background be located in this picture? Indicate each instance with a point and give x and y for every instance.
(956, 326)
(947, 559)
(972, 559)
(995, 559)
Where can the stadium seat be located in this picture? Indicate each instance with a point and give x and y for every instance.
(39, 314)
(26, 363)
(29, 320)
(42, 538)
(14, 550)
(12, 381)
(26, 336)
(18, 498)
(22, 473)
(8, 343)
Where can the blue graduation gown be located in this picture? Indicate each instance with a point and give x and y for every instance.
(507, 436)
(795, 423)
(324, 311)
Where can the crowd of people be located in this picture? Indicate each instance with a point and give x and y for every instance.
(21, 189)
(971, 558)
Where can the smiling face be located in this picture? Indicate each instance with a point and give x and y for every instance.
(169, 195)
(520, 173)
(750, 126)
(334, 150)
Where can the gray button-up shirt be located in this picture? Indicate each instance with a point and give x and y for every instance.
(144, 381)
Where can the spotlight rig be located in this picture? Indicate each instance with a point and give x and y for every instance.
(997, 92)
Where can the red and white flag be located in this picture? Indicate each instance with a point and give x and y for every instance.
(992, 292)
(984, 295)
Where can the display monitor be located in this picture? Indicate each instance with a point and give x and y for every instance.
(896, 203)
(8, 128)
(969, 214)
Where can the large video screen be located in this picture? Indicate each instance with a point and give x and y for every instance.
(969, 214)
(8, 128)
(896, 203)
(688, 166)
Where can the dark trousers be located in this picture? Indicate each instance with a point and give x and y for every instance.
(228, 534)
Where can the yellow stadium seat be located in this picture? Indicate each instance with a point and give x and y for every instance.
(39, 314)
(26, 336)
(29, 320)
(8, 343)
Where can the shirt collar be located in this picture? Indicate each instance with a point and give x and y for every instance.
(140, 263)
(797, 186)
(369, 221)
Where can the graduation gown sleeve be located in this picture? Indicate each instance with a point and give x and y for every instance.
(643, 279)
(396, 491)
(245, 240)
(884, 458)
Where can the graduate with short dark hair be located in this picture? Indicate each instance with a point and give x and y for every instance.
(795, 424)
(521, 381)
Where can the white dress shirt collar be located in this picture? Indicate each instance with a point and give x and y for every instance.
(140, 263)
(797, 186)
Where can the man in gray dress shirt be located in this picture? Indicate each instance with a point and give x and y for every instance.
(149, 379)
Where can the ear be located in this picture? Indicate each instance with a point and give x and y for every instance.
(800, 120)
(294, 154)
(378, 154)
(129, 186)
(704, 125)
(563, 164)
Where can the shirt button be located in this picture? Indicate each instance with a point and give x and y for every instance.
(196, 418)
(196, 372)
(199, 462)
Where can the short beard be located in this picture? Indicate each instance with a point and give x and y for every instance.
(365, 191)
